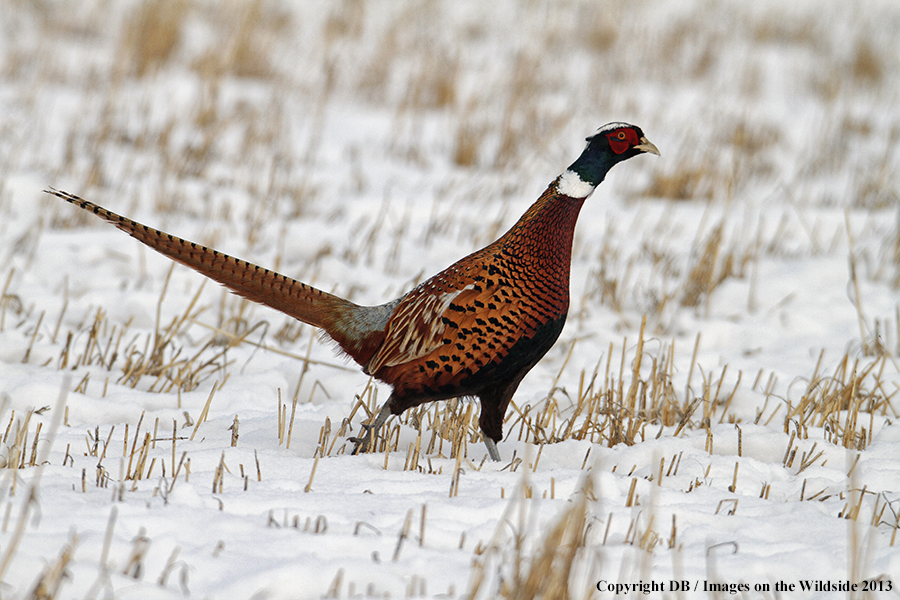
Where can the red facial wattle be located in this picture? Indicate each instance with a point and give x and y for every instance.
(621, 140)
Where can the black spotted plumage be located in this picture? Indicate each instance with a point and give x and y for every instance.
(474, 329)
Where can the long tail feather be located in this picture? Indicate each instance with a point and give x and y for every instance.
(294, 298)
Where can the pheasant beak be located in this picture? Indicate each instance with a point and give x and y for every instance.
(647, 146)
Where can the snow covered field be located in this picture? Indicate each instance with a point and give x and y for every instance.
(719, 415)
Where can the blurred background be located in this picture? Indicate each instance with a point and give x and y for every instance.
(254, 96)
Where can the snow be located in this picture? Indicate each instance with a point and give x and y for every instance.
(363, 146)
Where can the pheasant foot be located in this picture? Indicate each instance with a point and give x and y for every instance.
(363, 444)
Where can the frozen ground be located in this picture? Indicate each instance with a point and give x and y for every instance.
(363, 145)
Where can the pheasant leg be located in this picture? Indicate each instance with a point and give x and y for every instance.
(492, 449)
(362, 444)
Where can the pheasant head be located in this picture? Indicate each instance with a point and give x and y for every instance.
(613, 143)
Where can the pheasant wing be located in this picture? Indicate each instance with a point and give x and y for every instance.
(417, 326)
(452, 329)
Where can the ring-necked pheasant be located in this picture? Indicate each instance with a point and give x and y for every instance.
(474, 329)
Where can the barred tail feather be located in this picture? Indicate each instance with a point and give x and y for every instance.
(294, 298)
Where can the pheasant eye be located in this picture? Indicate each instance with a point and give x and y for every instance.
(621, 135)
